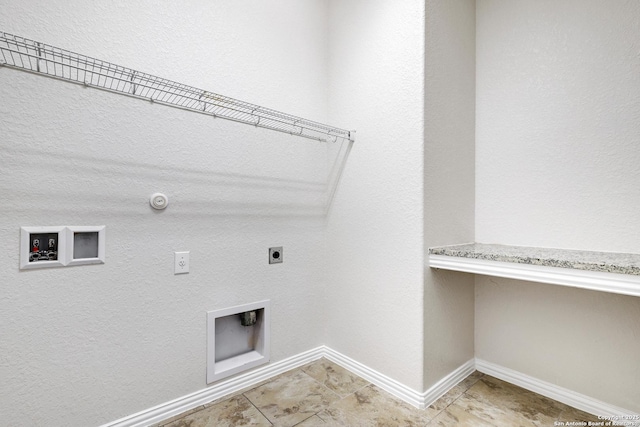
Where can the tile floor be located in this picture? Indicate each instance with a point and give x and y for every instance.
(322, 393)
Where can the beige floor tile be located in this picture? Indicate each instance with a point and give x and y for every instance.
(456, 416)
(314, 421)
(246, 389)
(291, 399)
(371, 407)
(448, 398)
(237, 411)
(334, 377)
(439, 405)
(177, 417)
(471, 380)
(432, 412)
(495, 413)
(573, 414)
(536, 408)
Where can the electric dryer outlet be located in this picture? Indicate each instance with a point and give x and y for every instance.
(275, 255)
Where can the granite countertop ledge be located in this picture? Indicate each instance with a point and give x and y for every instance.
(610, 262)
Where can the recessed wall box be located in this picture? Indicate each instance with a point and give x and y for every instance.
(85, 245)
(233, 347)
(59, 246)
(43, 247)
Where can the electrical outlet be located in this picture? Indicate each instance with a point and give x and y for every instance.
(181, 262)
(275, 255)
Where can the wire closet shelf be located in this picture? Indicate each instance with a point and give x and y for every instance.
(41, 58)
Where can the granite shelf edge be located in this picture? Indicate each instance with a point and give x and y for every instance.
(607, 262)
(490, 260)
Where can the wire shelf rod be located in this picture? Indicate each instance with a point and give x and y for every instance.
(43, 59)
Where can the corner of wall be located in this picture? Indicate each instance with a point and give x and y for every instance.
(449, 182)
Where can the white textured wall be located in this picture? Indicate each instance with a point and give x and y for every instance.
(449, 181)
(558, 124)
(86, 345)
(558, 165)
(584, 341)
(374, 233)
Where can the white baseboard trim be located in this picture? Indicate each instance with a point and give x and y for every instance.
(399, 390)
(389, 385)
(437, 390)
(182, 404)
(420, 400)
(568, 397)
(216, 391)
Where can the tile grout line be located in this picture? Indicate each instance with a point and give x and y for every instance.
(451, 403)
(180, 416)
(332, 391)
(463, 393)
(336, 393)
(258, 409)
(300, 369)
(309, 417)
(322, 384)
(361, 388)
(456, 399)
(323, 420)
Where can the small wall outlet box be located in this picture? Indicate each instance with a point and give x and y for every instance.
(181, 262)
(275, 255)
(43, 247)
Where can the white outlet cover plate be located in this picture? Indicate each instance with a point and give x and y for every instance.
(181, 264)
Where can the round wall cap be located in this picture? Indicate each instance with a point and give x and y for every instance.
(158, 201)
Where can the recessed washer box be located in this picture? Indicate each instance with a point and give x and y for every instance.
(233, 348)
(43, 247)
(59, 246)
